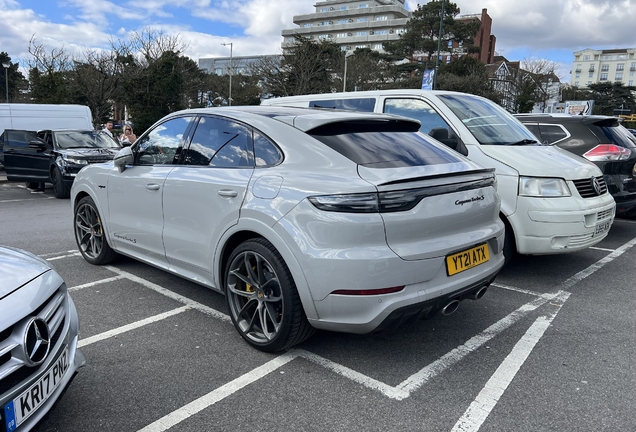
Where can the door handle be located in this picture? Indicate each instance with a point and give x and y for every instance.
(227, 193)
(152, 186)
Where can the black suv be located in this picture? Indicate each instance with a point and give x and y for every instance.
(599, 139)
(54, 156)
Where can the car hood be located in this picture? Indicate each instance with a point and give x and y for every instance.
(80, 153)
(18, 267)
(543, 161)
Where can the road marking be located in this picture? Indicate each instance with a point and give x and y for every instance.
(597, 265)
(520, 290)
(418, 379)
(178, 297)
(64, 256)
(602, 249)
(99, 282)
(486, 400)
(217, 395)
(132, 326)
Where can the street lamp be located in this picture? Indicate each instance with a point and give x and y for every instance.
(439, 45)
(230, 98)
(344, 79)
(6, 66)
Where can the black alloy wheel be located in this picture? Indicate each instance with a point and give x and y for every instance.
(262, 298)
(59, 188)
(89, 234)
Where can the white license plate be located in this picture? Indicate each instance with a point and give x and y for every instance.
(602, 227)
(20, 408)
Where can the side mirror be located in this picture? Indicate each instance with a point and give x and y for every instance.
(442, 135)
(123, 157)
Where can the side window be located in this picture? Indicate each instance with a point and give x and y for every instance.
(362, 104)
(163, 144)
(419, 110)
(220, 143)
(265, 152)
(19, 138)
(552, 133)
(534, 128)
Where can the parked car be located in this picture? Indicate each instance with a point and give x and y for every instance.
(304, 219)
(54, 156)
(38, 339)
(548, 200)
(599, 139)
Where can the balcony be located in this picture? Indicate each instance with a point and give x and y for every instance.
(591, 69)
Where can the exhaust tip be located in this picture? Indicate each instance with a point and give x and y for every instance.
(479, 293)
(450, 307)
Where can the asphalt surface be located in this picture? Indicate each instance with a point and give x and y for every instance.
(550, 347)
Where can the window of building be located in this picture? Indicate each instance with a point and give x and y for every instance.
(576, 83)
(342, 8)
(577, 58)
(308, 25)
(621, 57)
(361, 33)
(578, 67)
(361, 46)
(218, 71)
(596, 57)
(378, 47)
(586, 57)
(590, 75)
(631, 74)
(380, 32)
(363, 5)
(324, 36)
(620, 67)
(603, 77)
(606, 57)
(341, 35)
(604, 68)
(631, 83)
(381, 18)
(343, 21)
(400, 31)
(578, 75)
(619, 76)
(363, 19)
(324, 10)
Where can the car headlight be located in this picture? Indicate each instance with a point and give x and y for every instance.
(75, 161)
(543, 187)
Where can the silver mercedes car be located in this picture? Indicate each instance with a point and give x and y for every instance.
(305, 219)
(38, 339)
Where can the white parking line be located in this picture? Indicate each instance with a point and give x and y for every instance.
(520, 290)
(99, 282)
(64, 256)
(481, 407)
(132, 326)
(178, 297)
(217, 395)
(602, 249)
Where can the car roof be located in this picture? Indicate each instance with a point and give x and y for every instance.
(563, 116)
(301, 118)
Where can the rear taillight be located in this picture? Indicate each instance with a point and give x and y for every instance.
(607, 152)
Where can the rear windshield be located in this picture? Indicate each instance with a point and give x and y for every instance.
(615, 133)
(488, 122)
(383, 144)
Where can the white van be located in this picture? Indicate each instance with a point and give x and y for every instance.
(36, 117)
(552, 201)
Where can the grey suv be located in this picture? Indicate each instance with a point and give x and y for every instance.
(599, 139)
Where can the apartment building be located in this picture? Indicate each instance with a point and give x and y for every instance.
(608, 65)
(351, 24)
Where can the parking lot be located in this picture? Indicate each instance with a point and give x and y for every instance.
(550, 347)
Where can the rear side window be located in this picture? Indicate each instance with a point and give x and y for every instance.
(383, 144)
(220, 143)
(361, 104)
(551, 133)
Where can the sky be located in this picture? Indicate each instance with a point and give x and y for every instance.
(525, 29)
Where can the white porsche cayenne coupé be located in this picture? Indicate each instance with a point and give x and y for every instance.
(303, 218)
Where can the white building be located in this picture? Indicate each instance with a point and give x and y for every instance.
(351, 23)
(608, 65)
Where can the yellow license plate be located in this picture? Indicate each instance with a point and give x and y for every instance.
(467, 259)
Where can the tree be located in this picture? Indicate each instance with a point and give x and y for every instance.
(468, 75)
(610, 96)
(306, 67)
(17, 82)
(544, 74)
(49, 74)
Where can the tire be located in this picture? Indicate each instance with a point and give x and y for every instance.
(59, 188)
(510, 247)
(89, 234)
(267, 314)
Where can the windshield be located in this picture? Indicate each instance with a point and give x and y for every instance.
(488, 122)
(84, 139)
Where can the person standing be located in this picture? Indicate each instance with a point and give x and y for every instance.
(108, 127)
(128, 137)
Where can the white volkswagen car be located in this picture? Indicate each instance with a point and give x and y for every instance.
(304, 219)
